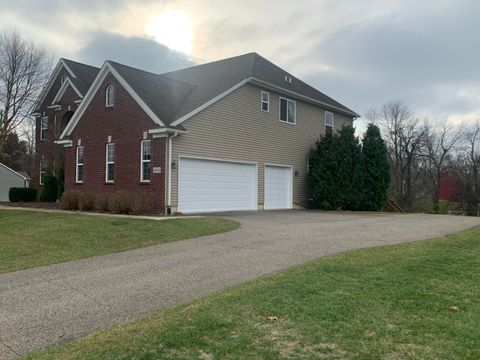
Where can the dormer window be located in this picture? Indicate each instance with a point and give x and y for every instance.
(109, 95)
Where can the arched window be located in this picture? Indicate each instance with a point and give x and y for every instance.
(109, 95)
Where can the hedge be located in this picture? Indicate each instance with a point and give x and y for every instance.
(17, 194)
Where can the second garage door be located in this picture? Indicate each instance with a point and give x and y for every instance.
(213, 185)
(278, 187)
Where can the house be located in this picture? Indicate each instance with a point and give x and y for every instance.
(54, 108)
(233, 134)
(10, 178)
(451, 186)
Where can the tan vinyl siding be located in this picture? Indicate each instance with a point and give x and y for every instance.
(235, 128)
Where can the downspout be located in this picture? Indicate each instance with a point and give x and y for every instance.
(169, 185)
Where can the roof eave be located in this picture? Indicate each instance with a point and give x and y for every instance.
(282, 90)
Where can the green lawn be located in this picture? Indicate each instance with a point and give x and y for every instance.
(380, 303)
(29, 239)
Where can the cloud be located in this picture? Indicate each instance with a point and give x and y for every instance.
(139, 52)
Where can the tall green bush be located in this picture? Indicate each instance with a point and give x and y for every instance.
(335, 175)
(376, 170)
(49, 190)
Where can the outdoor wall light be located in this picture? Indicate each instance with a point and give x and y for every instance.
(174, 164)
(296, 173)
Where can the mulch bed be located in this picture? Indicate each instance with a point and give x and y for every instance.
(35, 205)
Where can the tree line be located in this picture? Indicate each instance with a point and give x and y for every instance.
(418, 154)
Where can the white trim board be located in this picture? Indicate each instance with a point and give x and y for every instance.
(61, 63)
(63, 88)
(14, 172)
(102, 74)
(208, 103)
(266, 85)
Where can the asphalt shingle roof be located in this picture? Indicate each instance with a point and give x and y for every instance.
(175, 94)
(85, 75)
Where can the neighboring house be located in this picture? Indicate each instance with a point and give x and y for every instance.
(233, 134)
(10, 178)
(450, 186)
(53, 110)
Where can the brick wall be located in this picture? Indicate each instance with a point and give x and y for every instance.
(46, 149)
(125, 123)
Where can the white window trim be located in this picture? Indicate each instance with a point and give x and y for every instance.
(333, 120)
(266, 102)
(41, 172)
(280, 111)
(145, 161)
(109, 162)
(77, 164)
(43, 128)
(109, 86)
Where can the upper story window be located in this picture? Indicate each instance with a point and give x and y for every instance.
(110, 162)
(79, 165)
(109, 95)
(63, 79)
(43, 128)
(288, 111)
(145, 159)
(329, 117)
(265, 101)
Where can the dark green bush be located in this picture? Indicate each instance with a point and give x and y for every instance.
(22, 194)
(49, 191)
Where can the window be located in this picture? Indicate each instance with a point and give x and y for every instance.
(79, 166)
(43, 128)
(265, 101)
(328, 122)
(145, 160)
(43, 170)
(64, 77)
(109, 95)
(288, 111)
(110, 162)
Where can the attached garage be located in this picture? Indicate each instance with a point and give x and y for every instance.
(278, 187)
(206, 185)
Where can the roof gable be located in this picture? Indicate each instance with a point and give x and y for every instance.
(107, 68)
(81, 76)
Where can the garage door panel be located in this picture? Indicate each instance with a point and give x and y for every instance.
(278, 187)
(211, 185)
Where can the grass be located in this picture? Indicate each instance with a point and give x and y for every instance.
(30, 239)
(380, 303)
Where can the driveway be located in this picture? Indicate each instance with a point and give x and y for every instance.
(42, 306)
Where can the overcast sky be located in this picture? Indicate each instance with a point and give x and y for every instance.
(362, 53)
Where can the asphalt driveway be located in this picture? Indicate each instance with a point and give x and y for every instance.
(42, 306)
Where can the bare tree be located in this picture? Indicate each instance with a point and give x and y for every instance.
(403, 135)
(439, 140)
(470, 166)
(24, 70)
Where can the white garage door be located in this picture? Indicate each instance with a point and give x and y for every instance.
(278, 187)
(211, 185)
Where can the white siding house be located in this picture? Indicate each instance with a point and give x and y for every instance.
(10, 178)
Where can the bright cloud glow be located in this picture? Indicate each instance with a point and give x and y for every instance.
(173, 29)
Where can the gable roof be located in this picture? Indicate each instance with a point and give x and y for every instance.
(84, 75)
(215, 78)
(162, 95)
(21, 174)
(171, 98)
(81, 77)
